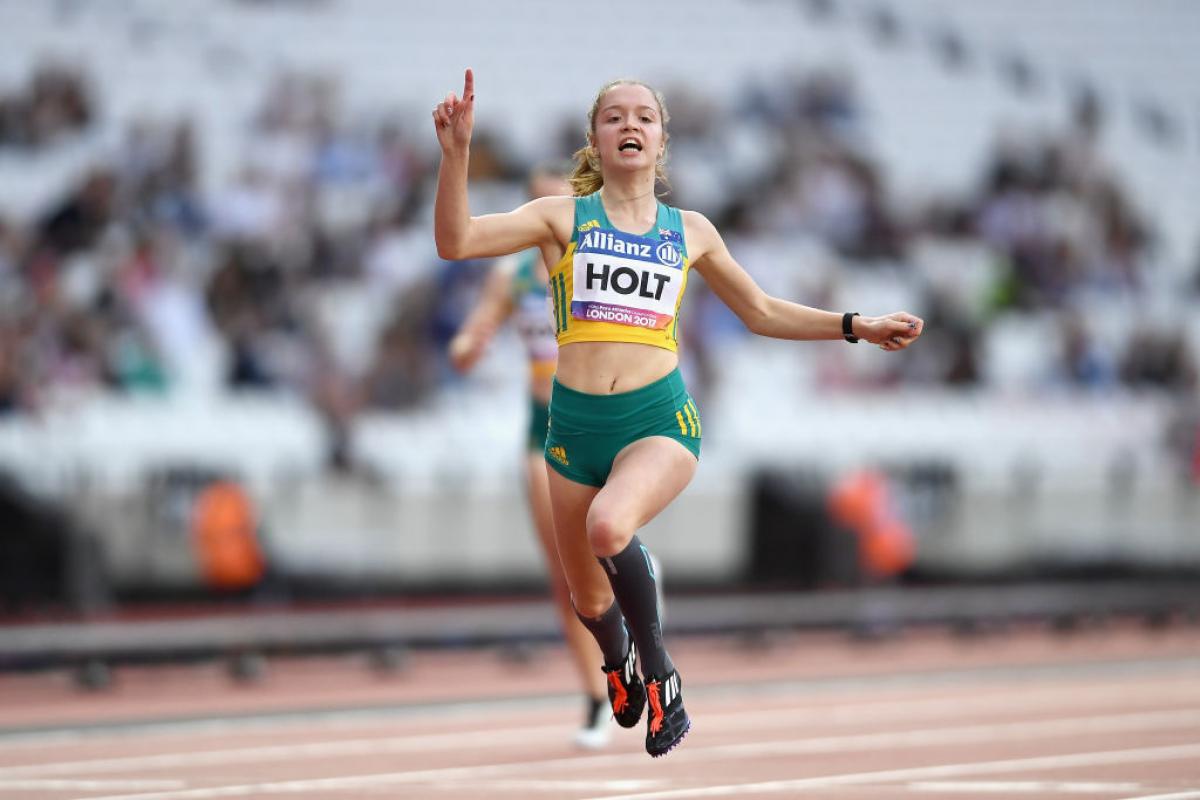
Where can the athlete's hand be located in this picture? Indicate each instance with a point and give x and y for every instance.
(454, 118)
(465, 350)
(892, 332)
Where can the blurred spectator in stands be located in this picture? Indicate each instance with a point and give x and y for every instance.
(10, 371)
(11, 246)
(1182, 438)
(1062, 221)
(1083, 363)
(78, 221)
(399, 163)
(827, 100)
(403, 370)
(158, 166)
(57, 102)
(398, 253)
(822, 101)
(1123, 242)
(313, 267)
(12, 298)
(953, 358)
(164, 304)
(250, 209)
(1156, 359)
(254, 305)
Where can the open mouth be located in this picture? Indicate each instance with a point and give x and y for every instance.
(630, 144)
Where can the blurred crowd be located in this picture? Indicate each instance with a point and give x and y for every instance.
(312, 270)
(1049, 232)
(55, 103)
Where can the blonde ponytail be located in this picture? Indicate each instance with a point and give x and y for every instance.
(586, 178)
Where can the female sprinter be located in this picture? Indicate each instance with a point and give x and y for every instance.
(516, 289)
(624, 434)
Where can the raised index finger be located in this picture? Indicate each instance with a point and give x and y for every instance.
(468, 86)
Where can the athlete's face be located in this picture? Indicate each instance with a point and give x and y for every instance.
(628, 128)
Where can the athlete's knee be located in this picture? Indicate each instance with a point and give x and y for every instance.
(560, 591)
(592, 605)
(608, 533)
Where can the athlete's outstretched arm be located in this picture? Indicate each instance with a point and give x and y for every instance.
(781, 319)
(459, 235)
(494, 306)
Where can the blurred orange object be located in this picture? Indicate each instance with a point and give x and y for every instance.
(861, 502)
(887, 549)
(224, 534)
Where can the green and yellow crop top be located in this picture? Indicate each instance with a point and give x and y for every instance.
(612, 286)
(533, 313)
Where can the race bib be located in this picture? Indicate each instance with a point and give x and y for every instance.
(535, 325)
(626, 279)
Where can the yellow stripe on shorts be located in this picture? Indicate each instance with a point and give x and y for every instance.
(691, 419)
(699, 427)
(682, 427)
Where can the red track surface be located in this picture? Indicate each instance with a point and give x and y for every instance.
(1104, 713)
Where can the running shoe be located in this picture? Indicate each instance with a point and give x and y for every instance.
(626, 692)
(596, 730)
(668, 722)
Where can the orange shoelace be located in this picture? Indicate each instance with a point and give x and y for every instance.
(620, 697)
(656, 718)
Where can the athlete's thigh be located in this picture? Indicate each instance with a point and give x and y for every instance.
(646, 476)
(570, 502)
(537, 489)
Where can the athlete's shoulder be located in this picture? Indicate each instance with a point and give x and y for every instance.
(694, 218)
(701, 233)
(589, 213)
(557, 212)
(553, 205)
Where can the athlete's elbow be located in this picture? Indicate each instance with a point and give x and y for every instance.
(754, 324)
(449, 249)
(757, 320)
(450, 238)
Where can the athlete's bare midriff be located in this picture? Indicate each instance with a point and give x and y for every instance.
(539, 389)
(612, 367)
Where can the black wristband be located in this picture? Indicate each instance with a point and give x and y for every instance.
(848, 326)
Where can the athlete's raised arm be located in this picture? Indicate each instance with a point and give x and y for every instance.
(459, 235)
(492, 308)
(776, 318)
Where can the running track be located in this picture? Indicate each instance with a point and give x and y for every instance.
(1109, 712)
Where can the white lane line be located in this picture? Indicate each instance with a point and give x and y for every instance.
(800, 689)
(926, 709)
(757, 720)
(1019, 731)
(1139, 755)
(1188, 795)
(1048, 683)
(507, 738)
(533, 785)
(474, 742)
(58, 784)
(266, 722)
(965, 734)
(1022, 787)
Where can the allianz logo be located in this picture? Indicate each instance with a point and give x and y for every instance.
(601, 240)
